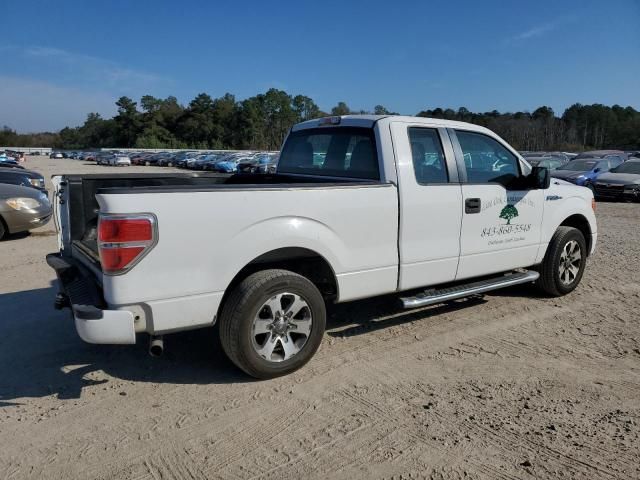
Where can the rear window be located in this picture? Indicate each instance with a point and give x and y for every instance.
(333, 152)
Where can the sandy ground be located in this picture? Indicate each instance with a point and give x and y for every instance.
(513, 385)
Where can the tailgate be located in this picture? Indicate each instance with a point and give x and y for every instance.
(60, 210)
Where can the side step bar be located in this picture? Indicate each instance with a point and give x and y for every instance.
(429, 297)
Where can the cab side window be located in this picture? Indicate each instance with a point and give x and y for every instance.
(428, 157)
(486, 160)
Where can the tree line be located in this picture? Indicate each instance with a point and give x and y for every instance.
(262, 121)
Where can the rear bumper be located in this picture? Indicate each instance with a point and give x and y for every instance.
(94, 323)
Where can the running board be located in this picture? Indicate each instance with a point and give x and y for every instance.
(429, 297)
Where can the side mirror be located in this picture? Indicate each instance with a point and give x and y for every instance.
(596, 170)
(540, 178)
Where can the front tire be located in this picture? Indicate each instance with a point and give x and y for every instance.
(564, 263)
(3, 230)
(272, 323)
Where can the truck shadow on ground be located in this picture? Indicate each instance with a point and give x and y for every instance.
(41, 354)
(365, 316)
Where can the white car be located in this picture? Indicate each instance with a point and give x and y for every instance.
(119, 160)
(360, 206)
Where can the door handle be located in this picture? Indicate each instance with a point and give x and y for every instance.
(472, 205)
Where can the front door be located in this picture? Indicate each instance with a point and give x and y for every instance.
(501, 224)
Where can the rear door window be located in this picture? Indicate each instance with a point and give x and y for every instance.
(348, 152)
(428, 157)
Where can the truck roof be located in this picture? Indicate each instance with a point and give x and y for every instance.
(370, 120)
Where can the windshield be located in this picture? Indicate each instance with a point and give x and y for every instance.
(331, 151)
(627, 167)
(579, 165)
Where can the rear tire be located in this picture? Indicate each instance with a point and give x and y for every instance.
(564, 263)
(272, 323)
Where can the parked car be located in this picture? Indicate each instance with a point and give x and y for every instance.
(181, 158)
(155, 158)
(139, 158)
(392, 208)
(167, 160)
(26, 178)
(102, 158)
(603, 154)
(583, 171)
(22, 209)
(229, 165)
(557, 155)
(117, 160)
(620, 183)
(56, 155)
(201, 162)
(267, 163)
(552, 163)
(258, 163)
(9, 162)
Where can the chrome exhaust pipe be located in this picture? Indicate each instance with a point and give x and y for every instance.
(156, 346)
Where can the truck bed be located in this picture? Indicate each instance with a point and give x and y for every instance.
(84, 208)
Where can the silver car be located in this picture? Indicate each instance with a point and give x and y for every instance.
(22, 209)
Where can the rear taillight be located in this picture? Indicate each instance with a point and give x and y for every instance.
(124, 239)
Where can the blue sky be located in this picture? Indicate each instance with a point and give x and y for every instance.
(61, 60)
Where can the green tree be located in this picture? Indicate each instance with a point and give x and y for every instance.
(341, 109)
(8, 137)
(197, 125)
(127, 121)
(305, 108)
(508, 213)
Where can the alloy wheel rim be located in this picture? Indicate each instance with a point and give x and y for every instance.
(570, 262)
(281, 327)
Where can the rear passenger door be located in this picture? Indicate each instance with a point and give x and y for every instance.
(430, 205)
(501, 221)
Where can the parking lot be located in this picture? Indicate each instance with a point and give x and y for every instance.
(511, 385)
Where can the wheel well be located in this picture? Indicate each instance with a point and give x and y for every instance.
(302, 261)
(582, 224)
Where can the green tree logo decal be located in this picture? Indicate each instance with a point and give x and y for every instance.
(508, 213)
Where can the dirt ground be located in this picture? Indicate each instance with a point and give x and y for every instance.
(511, 386)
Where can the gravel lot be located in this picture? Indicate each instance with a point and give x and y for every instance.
(513, 385)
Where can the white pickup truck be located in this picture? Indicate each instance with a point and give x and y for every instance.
(360, 206)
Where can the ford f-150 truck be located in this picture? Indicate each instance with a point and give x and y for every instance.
(359, 206)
